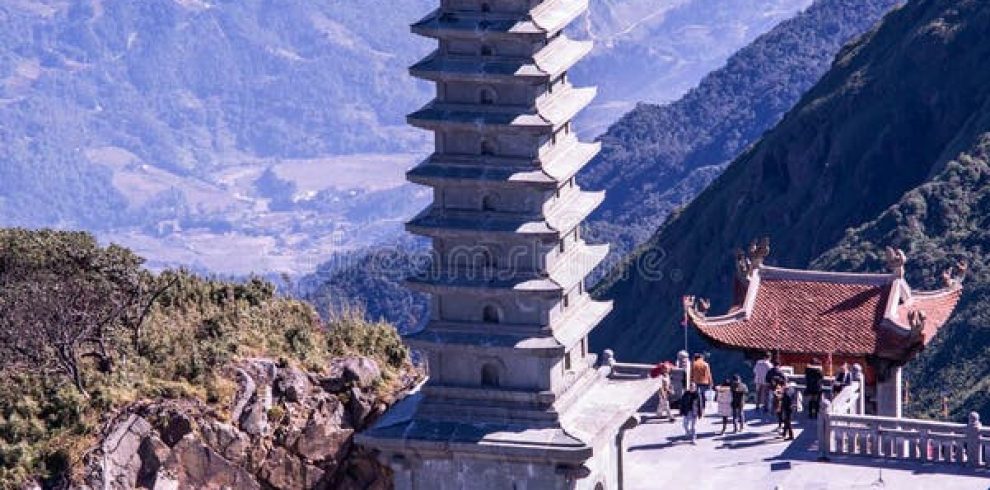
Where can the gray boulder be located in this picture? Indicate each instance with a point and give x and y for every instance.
(359, 371)
(327, 433)
(293, 384)
(121, 460)
(193, 464)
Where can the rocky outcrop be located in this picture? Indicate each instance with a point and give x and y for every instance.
(121, 462)
(285, 428)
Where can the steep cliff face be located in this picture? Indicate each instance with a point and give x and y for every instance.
(895, 107)
(657, 158)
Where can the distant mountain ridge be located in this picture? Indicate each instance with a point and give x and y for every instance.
(658, 157)
(638, 154)
(895, 110)
(150, 122)
(654, 52)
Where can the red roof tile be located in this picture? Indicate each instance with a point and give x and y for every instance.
(825, 313)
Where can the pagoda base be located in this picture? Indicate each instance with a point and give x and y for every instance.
(582, 449)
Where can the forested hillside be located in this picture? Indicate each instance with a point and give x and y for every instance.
(371, 281)
(896, 107)
(943, 221)
(658, 157)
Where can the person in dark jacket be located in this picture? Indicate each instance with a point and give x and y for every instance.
(739, 392)
(691, 410)
(813, 387)
(787, 404)
(774, 379)
(775, 376)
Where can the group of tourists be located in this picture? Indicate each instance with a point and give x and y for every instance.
(774, 392)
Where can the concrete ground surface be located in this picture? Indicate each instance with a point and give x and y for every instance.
(658, 456)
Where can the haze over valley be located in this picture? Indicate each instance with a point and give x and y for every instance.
(215, 136)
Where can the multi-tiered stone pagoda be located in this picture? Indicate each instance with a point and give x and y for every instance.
(514, 398)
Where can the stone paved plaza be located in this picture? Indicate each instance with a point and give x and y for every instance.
(658, 457)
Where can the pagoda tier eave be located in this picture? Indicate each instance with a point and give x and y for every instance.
(440, 170)
(548, 19)
(547, 118)
(588, 311)
(560, 279)
(553, 226)
(549, 63)
(471, 342)
(605, 405)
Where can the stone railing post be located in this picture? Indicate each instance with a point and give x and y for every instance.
(973, 453)
(825, 430)
(608, 361)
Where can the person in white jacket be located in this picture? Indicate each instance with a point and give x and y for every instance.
(760, 370)
(664, 393)
(723, 396)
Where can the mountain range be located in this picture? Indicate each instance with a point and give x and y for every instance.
(160, 124)
(887, 149)
(656, 158)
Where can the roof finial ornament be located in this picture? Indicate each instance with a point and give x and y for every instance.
(917, 320)
(896, 259)
(742, 264)
(954, 276)
(704, 304)
(758, 252)
(697, 306)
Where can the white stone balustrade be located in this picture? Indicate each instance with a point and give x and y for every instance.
(843, 430)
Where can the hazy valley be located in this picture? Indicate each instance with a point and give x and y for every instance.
(151, 123)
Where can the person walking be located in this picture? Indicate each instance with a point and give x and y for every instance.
(690, 411)
(739, 392)
(813, 377)
(789, 403)
(776, 401)
(684, 364)
(723, 397)
(774, 378)
(701, 376)
(760, 370)
(664, 391)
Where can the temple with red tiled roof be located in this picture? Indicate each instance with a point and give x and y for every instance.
(875, 320)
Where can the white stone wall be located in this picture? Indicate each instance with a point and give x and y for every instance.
(519, 254)
(468, 308)
(454, 367)
(505, 94)
(571, 240)
(462, 473)
(504, 143)
(514, 6)
(499, 199)
(560, 310)
(466, 474)
(515, 48)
